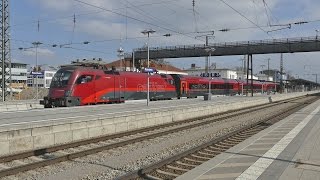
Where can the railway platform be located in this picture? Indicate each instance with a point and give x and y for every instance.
(288, 150)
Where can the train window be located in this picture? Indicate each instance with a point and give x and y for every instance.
(163, 75)
(61, 78)
(84, 79)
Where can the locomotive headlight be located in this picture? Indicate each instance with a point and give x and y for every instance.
(67, 93)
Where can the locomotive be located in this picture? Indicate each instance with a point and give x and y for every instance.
(78, 86)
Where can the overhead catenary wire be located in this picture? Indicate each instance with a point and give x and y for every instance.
(224, 29)
(84, 14)
(245, 17)
(133, 18)
(194, 16)
(147, 15)
(266, 11)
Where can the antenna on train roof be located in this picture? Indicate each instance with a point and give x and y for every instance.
(93, 63)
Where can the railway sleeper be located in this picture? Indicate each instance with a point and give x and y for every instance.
(218, 150)
(234, 139)
(214, 152)
(246, 132)
(232, 142)
(167, 173)
(193, 160)
(19, 162)
(148, 176)
(228, 143)
(172, 170)
(185, 164)
(218, 145)
(200, 157)
(182, 166)
(204, 153)
(35, 158)
(3, 167)
(246, 135)
(243, 137)
(177, 168)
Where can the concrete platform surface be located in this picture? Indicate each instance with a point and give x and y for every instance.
(38, 117)
(33, 129)
(288, 150)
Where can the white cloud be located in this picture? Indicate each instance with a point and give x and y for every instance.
(166, 16)
(42, 52)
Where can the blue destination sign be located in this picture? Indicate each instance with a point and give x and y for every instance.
(36, 73)
(149, 70)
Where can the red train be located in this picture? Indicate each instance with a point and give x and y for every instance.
(75, 86)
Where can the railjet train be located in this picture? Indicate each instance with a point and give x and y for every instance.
(78, 86)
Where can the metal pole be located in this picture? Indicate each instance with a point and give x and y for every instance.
(3, 68)
(247, 88)
(209, 76)
(133, 61)
(241, 89)
(281, 71)
(206, 63)
(244, 66)
(268, 69)
(148, 83)
(251, 69)
(275, 82)
(37, 69)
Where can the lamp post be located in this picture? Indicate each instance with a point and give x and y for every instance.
(209, 50)
(36, 44)
(148, 32)
(317, 31)
(242, 89)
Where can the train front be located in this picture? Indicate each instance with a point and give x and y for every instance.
(60, 92)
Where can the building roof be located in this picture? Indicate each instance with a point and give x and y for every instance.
(19, 63)
(153, 64)
(202, 69)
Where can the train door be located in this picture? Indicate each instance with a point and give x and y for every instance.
(86, 89)
(118, 88)
(177, 83)
(184, 88)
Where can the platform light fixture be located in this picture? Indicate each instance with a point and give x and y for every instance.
(36, 45)
(209, 50)
(120, 55)
(148, 32)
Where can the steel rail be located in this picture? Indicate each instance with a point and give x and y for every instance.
(43, 151)
(46, 162)
(142, 173)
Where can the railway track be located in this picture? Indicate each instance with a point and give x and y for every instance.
(25, 161)
(183, 162)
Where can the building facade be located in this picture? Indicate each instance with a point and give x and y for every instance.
(160, 67)
(220, 73)
(19, 73)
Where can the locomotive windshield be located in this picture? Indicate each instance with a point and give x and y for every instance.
(61, 78)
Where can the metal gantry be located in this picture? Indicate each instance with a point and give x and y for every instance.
(269, 46)
(5, 58)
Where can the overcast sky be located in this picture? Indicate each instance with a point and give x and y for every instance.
(103, 23)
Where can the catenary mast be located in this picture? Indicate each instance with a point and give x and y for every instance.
(5, 59)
